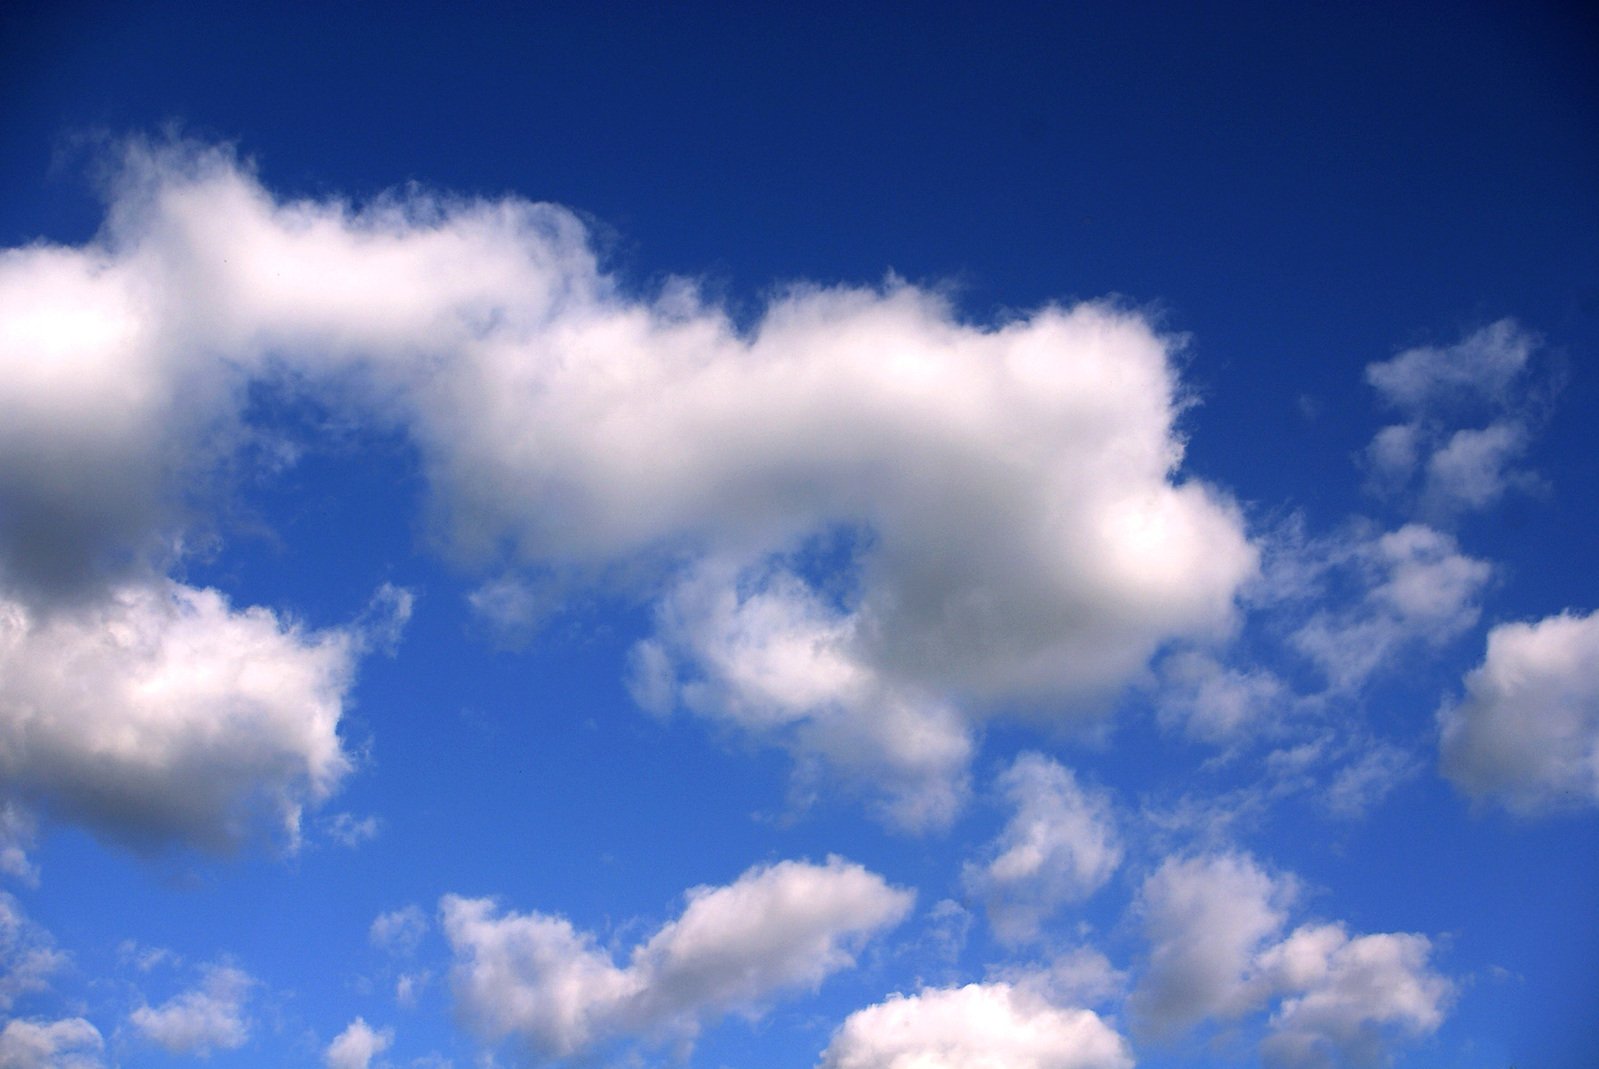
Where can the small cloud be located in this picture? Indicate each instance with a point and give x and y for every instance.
(348, 830)
(357, 1045)
(399, 931)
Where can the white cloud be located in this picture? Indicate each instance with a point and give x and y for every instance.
(69, 1043)
(979, 1026)
(1215, 703)
(1460, 468)
(399, 930)
(1367, 780)
(17, 830)
(203, 1019)
(1206, 918)
(766, 655)
(349, 830)
(1349, 999)
(776, 928)
(1527, 732)
(1479, 368)
(357, 1045)
(1060, 847)
(1214, 924)
(28, 957)
(1013, 518)
(1416, 587)
(1081, 976)
(164, 713)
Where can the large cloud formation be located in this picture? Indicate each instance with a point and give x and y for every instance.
(1005, 501)
(1527, 733)
(776, 928)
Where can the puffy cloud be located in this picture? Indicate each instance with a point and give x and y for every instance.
(1206, 918)
(356, 1046)
(70, 1043)
(202, 1019)
(1013, 518)
(1059, 847)
(1416, 586)
(1215, 924)
(779, 927)
(1527, 732)
(979, 1026)
(1480, 377)
(1349, 998)
(164, 713)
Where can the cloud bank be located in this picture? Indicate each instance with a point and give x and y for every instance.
(1005, 501)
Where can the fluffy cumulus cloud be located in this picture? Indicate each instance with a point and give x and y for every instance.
(357, 1045)
(1059, 847)
(1480, 379)
(1348, 999)
(1215, 925)
(777, 928)
(979, 1026)
(1206, 918)
(1526, 733)
(162, 711)
(69, 1043)
(206, 1018)
(1006, 501)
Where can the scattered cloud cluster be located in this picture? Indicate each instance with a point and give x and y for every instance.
(1217, 952)
(861, 527)
(1527, 732)
(777, 928)
(1448, 468)
(979, 1026)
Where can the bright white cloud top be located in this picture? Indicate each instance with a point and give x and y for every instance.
(975, 1027)
(1124, 512)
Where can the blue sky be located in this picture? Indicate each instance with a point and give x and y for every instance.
(1053, 537)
